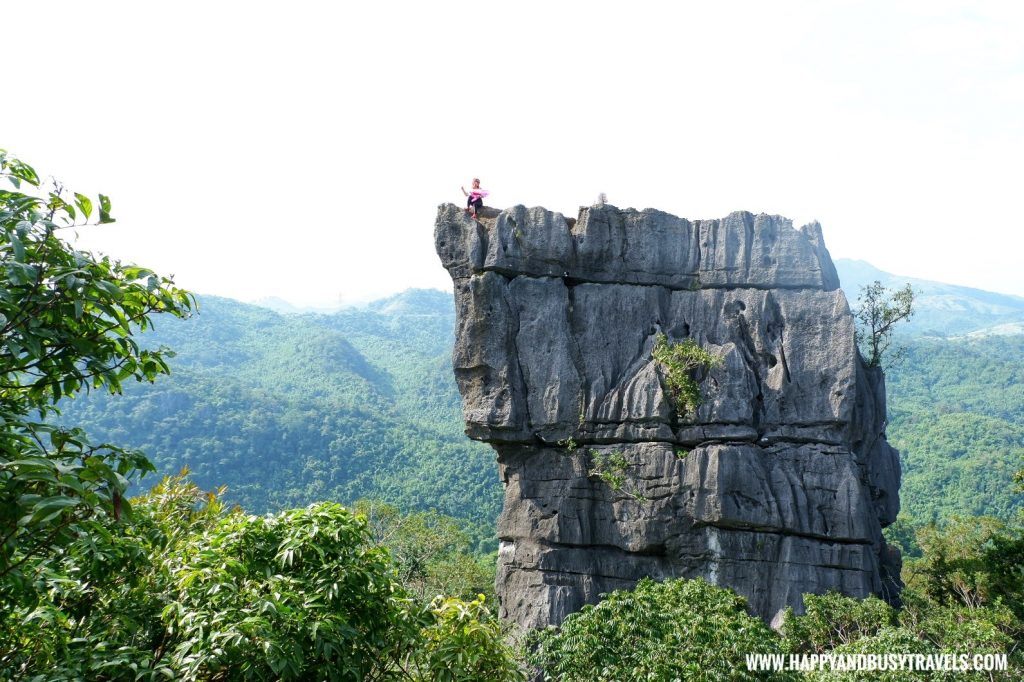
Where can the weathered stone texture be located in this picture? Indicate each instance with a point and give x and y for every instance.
(780, 482)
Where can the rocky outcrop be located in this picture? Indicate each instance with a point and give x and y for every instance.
(777, 484)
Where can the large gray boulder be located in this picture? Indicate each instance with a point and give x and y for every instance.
(778, 484)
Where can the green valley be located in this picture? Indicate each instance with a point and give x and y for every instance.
(288, 409)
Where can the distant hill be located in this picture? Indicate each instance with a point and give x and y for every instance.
(279, 305)
(287, 409)
(940, 309)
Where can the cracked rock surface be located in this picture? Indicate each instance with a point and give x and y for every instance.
(778, 484)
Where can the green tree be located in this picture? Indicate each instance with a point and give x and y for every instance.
(837, 625)
(67, 324)
(431, 552)
(953, 568)
(832, 620)
(295, 595)
(902, 534)
(189, 589)
(878, 310)
(466, 643)
(99, 601)
(971, 562)
(677, 629)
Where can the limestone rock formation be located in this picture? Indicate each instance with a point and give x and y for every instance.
(778, 484)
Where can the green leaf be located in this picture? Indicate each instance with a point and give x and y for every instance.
(111, 289)
(18, 247)
(22, 170)
(105, 209)
(51, 507)
(84, 203)
(57, 203)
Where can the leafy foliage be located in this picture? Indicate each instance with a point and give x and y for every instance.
(432, 553)
(842, 625)
(192, 590)
(612, 469)
(290, 596)
(677, 629)
(680, 361)
(67, 324)
(833, 620)
(973, 562)
(877, 313)
(466, 644)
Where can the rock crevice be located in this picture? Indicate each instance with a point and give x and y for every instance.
(777, 484)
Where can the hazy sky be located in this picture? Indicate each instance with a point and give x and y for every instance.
(300, 149)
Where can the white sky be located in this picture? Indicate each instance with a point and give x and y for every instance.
(300, 149)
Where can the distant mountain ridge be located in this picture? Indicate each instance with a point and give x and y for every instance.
(288, 409)
(940, 309)
(279, 305)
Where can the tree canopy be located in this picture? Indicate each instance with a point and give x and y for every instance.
(676, 629)
(878, 310)
(67, 321)
(176, 585)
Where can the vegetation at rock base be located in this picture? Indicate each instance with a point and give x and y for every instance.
(963, 598)
(680, 361)
(676, 629)
(432, 553)
(837, 625)
(964, 595)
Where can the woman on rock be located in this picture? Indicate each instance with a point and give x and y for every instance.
(476, 198)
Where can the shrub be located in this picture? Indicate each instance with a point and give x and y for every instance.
(677, 629)
(680, 361)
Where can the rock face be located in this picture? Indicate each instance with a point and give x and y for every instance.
(778, 484)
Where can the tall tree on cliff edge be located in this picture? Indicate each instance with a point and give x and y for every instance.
(878, 311)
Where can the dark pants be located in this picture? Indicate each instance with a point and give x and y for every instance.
(476, 204)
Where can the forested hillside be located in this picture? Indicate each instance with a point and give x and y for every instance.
(288, 409)
(956, 413)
